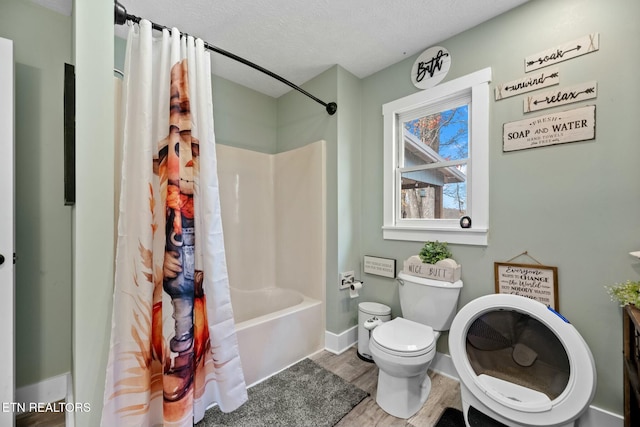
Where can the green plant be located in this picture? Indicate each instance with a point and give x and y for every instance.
(433, 252)
(625, 293)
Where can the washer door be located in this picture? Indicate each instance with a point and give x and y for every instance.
(522, 360)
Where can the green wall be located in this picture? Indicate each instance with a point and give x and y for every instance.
(42, 43)
(572, 206)
(93, 214)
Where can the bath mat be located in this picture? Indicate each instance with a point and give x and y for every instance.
(452, 417)
(305, 394)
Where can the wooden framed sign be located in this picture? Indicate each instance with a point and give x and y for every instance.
(385, 267)
(535, 281)
(557, 128)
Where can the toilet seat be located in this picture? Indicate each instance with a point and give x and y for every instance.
(402, 337)
(506, 401)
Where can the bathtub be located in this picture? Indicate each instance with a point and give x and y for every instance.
(275, 327)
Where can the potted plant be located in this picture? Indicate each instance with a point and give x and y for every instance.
(434, 262)
(625, 293)
(432, 252)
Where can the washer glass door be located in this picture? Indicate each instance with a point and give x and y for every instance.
(519, 349)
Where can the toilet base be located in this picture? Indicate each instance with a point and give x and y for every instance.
(402, 397)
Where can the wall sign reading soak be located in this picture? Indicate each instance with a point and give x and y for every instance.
(535, 281)
(431, 67)
(557, 128)
(582, 46)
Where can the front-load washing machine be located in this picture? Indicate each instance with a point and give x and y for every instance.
(520, 363)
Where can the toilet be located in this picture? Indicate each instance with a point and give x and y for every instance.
(520, 364)
(404, 347)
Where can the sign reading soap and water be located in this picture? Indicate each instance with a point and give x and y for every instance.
(557, 128)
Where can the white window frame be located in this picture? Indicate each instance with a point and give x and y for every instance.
(395, 228)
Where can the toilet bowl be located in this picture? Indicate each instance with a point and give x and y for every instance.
(520, 363)
(403, 351)
(404, 347)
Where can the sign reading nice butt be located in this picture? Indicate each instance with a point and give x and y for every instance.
(556, 128)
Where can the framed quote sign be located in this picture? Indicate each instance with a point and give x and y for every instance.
(535, 281)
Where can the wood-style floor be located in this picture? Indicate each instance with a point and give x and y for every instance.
(41, 419)
(444, 392)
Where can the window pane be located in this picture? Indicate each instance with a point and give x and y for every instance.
(437, 193)
(436, 137)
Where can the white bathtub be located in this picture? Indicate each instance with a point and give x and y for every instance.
(276, 327)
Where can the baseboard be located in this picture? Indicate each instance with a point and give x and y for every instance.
(596, 417)
(70, 419)
(338, 344)
(443, 364)
(593, 417)
(47, 391)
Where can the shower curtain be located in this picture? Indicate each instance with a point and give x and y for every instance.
(173, 345)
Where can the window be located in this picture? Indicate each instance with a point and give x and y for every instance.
(436, 162)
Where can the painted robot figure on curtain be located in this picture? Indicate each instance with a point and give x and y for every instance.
(173, 345)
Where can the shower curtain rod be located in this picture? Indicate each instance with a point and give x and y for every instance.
(121, 17)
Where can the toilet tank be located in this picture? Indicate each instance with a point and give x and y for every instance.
(427, 301)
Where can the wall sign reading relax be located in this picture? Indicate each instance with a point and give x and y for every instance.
(553, 98)
(557, 128)
(535, 281)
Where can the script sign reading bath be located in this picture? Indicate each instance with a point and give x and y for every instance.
(556, 128)
(431, 67)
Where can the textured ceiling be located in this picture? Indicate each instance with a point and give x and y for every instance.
(301, 39)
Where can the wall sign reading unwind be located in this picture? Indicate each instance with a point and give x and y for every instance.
(527, 84)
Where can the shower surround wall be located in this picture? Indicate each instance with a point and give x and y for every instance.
(273, 215)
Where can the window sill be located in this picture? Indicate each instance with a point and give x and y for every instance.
(462, 236)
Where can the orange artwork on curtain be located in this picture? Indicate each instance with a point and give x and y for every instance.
(176, 364)
(173, 353)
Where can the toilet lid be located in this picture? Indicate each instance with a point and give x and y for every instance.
(405, 337)
(522, 360)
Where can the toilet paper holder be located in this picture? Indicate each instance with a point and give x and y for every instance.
(354, 288)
